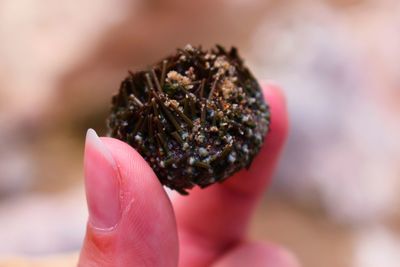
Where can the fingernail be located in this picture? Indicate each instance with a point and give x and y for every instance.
(101, 183)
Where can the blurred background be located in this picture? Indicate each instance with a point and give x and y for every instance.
(335, 197)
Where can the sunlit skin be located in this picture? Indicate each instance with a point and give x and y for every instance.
(206, 228)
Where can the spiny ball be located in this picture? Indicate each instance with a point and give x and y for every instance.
(196, 117)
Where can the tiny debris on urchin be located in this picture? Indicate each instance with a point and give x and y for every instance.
(196, 117)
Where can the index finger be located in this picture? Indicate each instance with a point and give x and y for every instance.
(213, 220)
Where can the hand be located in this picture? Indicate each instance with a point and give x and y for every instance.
(133, 223)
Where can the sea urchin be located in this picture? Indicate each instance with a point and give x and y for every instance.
(196, 117)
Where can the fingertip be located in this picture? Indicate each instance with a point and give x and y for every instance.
(102, 183)
(275, 97)
(139, 182)
(272, 88)
(143, 204)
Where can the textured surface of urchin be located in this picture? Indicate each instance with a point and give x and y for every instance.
(196, 117)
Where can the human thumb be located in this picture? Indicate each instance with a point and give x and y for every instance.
(131, 221)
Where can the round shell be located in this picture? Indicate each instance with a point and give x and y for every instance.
(196, 117)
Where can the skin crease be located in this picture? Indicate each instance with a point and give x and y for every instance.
(211, 223)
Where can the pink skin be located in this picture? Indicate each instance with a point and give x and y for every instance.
(133, 223)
